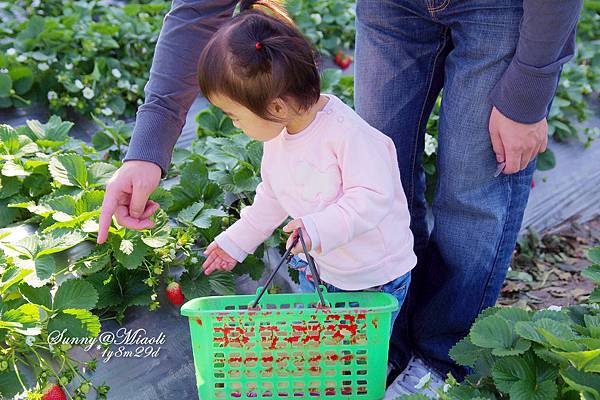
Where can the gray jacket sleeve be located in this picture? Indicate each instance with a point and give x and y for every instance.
(173, 83)
(546, 42)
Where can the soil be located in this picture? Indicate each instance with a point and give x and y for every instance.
(546, 267)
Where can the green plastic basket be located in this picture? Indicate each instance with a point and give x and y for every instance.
(291, 346)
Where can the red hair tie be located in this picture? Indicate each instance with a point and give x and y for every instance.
(258, 45)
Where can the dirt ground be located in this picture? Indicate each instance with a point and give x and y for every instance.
(546, 267)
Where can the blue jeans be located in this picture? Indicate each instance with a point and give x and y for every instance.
(397, 288)
(406, 51)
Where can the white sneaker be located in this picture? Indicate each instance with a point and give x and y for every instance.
(417, 377)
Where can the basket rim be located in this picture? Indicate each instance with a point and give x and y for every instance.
(189, 309)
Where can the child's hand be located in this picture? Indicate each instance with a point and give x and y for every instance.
(216, 259)
(293, 227)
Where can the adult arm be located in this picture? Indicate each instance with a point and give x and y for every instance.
(546, 42)
(173, 83)
(169, 93)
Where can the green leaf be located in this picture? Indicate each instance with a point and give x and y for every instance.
(9, 383)
(25, 319)
(252, 266)
(492, 332)
(525, 377)
(69, 170)
(594, 254)
(12, 275)
(7, 215)
(594, 296)
(75, 293)
(163, 197)
(102, 141)
(54, 133)
(548, 332)
(583, 382)
(222, 283)
(203, 220)
(509, 370)
(9, 186)
(135, 291)
(522, 390)
(133, 260)
(188, 214)
(76, 323)
(59, 240)
(14, 168)
(109, 292)
(99, 173)
(208, 124)
(546, 160)
(5, 85)
(44, 267)
(255, 151)
(465, 352)
(194, 284)
(583, 360)
(592, 273)
(34, 295)
(22, 78)
(155, 241)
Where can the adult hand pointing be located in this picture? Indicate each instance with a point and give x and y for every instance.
(126, 197)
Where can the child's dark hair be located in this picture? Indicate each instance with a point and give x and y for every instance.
(257, 57)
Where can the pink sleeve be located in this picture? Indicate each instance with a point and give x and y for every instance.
(368, 190)
(257, 222)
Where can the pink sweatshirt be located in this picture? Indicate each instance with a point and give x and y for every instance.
(340, 176)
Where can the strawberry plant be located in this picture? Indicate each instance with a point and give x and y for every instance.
(523, 355)
(56, 184)
(332, 81)
(329, 24)
(87, 57)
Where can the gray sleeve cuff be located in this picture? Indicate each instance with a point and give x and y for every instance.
(524, 93)
(153, 139)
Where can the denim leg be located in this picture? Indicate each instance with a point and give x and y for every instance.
(476, 217)
(306, 286)
(399, 289)
(399, 59)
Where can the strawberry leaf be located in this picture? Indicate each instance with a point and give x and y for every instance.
(76, 323)
(34, 295)
(594, 254)
(75, 293)
(133, 259)
(69, 170)
(222, 283)
(44, 267)
(99, 173)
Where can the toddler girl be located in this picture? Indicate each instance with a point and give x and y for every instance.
(324, 166)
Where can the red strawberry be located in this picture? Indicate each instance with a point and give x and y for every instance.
(174, 293)
(54, 392)
(346, 63)
(342, 60)
(339, 57)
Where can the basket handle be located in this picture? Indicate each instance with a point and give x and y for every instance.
(286, 257)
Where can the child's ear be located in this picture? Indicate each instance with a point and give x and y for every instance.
(279, 108)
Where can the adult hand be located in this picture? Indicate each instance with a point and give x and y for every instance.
(217, 259)
(126, 197)
(514, 143)
(293, 227)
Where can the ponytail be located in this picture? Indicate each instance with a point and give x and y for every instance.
(259, 56)
(274, 6)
